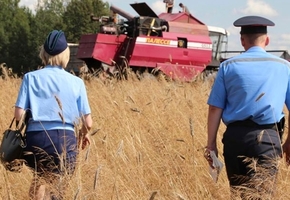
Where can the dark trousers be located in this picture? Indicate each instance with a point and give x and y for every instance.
(251, 154)
(52, 154)
(51, 151)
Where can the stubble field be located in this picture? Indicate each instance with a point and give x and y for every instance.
(148, 144)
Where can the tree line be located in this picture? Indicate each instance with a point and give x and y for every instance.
(23, 31)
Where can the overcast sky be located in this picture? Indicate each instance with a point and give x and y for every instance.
(223, 13)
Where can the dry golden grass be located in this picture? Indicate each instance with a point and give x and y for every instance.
(149, 144)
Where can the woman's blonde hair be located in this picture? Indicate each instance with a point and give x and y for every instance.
(60, 59)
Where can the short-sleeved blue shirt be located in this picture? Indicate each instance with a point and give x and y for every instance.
(253, 85)
(56, 98)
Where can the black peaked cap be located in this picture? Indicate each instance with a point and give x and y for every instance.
(253, 24)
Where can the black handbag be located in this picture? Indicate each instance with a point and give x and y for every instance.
(12, 144)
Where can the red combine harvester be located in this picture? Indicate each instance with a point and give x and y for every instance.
(177, 44)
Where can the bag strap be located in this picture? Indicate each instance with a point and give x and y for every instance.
(12, 122)
(23, 122)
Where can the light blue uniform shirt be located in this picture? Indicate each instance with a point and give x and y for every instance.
(39, 91)
(253, 85)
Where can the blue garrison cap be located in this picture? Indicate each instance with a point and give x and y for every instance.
(253, 24)
(55, 42)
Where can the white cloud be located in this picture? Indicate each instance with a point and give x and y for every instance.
(259, 7)
(31, 4)
(284, 41)
(233, 30)
(286, 37)
(279, 41)
(158, 7)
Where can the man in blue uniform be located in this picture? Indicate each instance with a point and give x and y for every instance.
(249, 94)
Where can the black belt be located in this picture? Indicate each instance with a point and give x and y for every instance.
(250, 123)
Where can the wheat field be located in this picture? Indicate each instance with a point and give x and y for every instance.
(148, 142)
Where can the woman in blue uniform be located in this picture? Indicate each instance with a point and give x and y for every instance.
(56, 102)
(249, 94)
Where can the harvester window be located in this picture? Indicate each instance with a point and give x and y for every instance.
(218, 44)
(182, 42)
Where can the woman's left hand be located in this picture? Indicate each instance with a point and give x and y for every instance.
(86, 141)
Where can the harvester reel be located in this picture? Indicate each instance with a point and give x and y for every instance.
(147, 25)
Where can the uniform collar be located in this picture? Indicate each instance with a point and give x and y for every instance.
(256, 49)
(53, 67)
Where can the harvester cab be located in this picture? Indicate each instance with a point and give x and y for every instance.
(176, 44)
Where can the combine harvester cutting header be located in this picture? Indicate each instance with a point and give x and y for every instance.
(176, 44)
